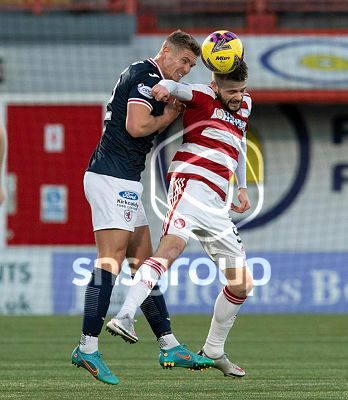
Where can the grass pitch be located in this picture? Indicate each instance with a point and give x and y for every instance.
(285, 357)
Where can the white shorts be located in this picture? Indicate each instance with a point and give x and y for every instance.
(195, 210)
(115, 203)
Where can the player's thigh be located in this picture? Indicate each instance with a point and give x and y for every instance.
(112, 246)
(139, 247)
(222, 242)
(225, 247)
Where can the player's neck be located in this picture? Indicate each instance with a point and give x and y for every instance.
(159, 60)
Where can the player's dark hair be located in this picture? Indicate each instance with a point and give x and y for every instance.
(240, 74)
(184, 40)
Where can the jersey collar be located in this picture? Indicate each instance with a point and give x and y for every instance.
(153, 62)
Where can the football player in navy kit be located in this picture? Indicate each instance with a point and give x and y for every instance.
(113, 190)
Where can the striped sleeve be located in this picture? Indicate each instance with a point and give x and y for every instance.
(140, 93)
(246, 105)
(200, 92)
(134, 100)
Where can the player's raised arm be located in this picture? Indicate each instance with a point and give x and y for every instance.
(240, 173)
(140, 122)
(167, 88)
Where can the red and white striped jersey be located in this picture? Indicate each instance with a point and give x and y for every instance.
(214, 140)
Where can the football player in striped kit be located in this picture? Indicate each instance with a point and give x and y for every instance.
(214, 148)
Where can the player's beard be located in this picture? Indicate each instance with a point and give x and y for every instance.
(236, 106)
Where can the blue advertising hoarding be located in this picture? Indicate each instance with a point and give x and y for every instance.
(284, 283)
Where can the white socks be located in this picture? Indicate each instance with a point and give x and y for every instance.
(147, 276)
(168, 341)
(226, 308)
(88, 344)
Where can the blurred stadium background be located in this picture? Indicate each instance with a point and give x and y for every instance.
(59, 62)
(60, 59)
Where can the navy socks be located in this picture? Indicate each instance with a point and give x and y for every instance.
(97, 301)
(155, 310)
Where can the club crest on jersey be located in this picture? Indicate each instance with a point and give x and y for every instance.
(144, 90)
(179, 223)
(226, 116)
(128, 215)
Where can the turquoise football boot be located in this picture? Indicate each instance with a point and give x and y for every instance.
(179, 356)
(95, 365)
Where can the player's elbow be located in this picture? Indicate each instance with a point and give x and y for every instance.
(136, 133)
(135, 129)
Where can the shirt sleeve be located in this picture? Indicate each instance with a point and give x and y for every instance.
(180, 91)
(140, 92)
(193, 94)
(240, 171)
(246, 105)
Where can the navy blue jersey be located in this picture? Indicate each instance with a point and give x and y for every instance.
(119, 154)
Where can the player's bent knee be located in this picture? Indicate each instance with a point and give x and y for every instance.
(110, 264)
(249, 285)
(243, 288)
(170, 248)
(249, 282)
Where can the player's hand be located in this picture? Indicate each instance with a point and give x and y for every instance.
(179, 106)
(243, 200)
(2, 195)
(170, 111)
(160, 93)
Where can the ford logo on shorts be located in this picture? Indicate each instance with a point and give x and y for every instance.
(129, 195)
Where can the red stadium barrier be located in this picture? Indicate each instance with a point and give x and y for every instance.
(299, 96)
(40, 6)
(259, 16)
(255, 7)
